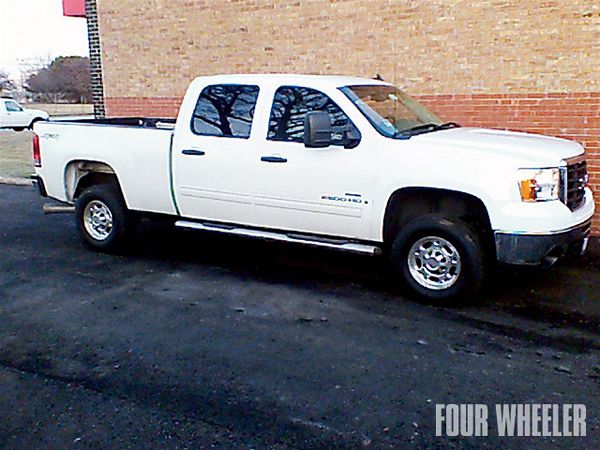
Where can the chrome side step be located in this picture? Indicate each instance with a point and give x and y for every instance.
(343, 245)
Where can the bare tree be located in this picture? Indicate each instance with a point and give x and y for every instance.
(6, 84)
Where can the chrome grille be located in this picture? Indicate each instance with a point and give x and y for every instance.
(574, 182)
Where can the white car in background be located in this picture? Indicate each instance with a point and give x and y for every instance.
(13, 115)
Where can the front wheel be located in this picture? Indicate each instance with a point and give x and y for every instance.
(102, 218)
(439, 259)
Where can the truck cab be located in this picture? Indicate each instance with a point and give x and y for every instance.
(13, 115)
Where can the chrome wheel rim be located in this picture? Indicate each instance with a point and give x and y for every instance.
(434, 263)
(98, 220)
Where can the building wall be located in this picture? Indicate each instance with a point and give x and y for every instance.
(96, 82)
(518, 64)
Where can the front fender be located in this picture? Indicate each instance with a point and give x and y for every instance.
(470, 190)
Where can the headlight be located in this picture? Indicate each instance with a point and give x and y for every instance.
(539, 185)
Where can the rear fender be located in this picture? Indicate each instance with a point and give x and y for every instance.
(77, 170)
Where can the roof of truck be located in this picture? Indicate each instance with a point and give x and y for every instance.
(276, 78)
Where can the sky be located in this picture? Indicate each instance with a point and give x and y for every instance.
(31, 29)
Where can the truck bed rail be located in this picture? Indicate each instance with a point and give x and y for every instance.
(139, 122)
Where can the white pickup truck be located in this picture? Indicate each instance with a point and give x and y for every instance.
(347, 163)
(13, 115)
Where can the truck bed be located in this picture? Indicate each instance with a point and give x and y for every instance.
(137, 150)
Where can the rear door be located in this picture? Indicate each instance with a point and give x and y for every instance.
(213, 155)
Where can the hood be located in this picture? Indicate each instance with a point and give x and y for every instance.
(538, 149)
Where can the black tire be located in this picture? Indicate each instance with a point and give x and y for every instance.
(18, 128)
(111, 198)
(467, 282)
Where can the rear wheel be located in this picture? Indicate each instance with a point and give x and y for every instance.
(440, 259)
(18, 128)
(103, 220)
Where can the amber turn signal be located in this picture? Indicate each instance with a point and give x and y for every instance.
(528, 190)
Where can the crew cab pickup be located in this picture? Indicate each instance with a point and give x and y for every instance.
(13, 115)
(346, 163)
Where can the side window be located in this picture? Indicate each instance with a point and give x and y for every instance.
(291, 104)
(12, 106)
(225, 110)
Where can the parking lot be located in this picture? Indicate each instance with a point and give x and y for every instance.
(191, 340)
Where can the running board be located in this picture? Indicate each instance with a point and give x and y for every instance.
(343, 245)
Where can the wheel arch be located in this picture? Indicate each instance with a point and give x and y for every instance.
(81, 174)
(411, 202)
(35, 120)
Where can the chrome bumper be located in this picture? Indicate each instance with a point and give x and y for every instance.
(541, 248)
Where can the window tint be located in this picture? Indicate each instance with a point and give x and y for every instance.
(225, 110)
(13, 106)
(291, 104)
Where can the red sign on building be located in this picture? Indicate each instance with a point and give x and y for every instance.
(74, 8)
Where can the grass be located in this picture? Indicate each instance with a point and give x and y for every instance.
(15, 154)
(15, 147)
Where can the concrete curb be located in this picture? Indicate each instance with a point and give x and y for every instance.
(15, 181)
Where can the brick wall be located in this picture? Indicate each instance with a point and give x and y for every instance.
(517, 64)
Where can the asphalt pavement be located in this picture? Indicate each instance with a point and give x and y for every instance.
(194, 340)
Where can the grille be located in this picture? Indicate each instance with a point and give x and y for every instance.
(576, 180)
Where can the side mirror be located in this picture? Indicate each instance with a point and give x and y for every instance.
(317, 130)
(352, 137)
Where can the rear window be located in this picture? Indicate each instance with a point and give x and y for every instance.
(225, 110)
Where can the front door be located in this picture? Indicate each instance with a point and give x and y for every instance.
(323, 191)
(213, 160)
(15, 115)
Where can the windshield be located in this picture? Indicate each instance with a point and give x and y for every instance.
(392, 112)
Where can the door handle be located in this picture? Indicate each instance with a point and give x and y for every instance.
(273, 159)
(193, 152)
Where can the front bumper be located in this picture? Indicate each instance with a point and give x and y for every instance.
(541, 248)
